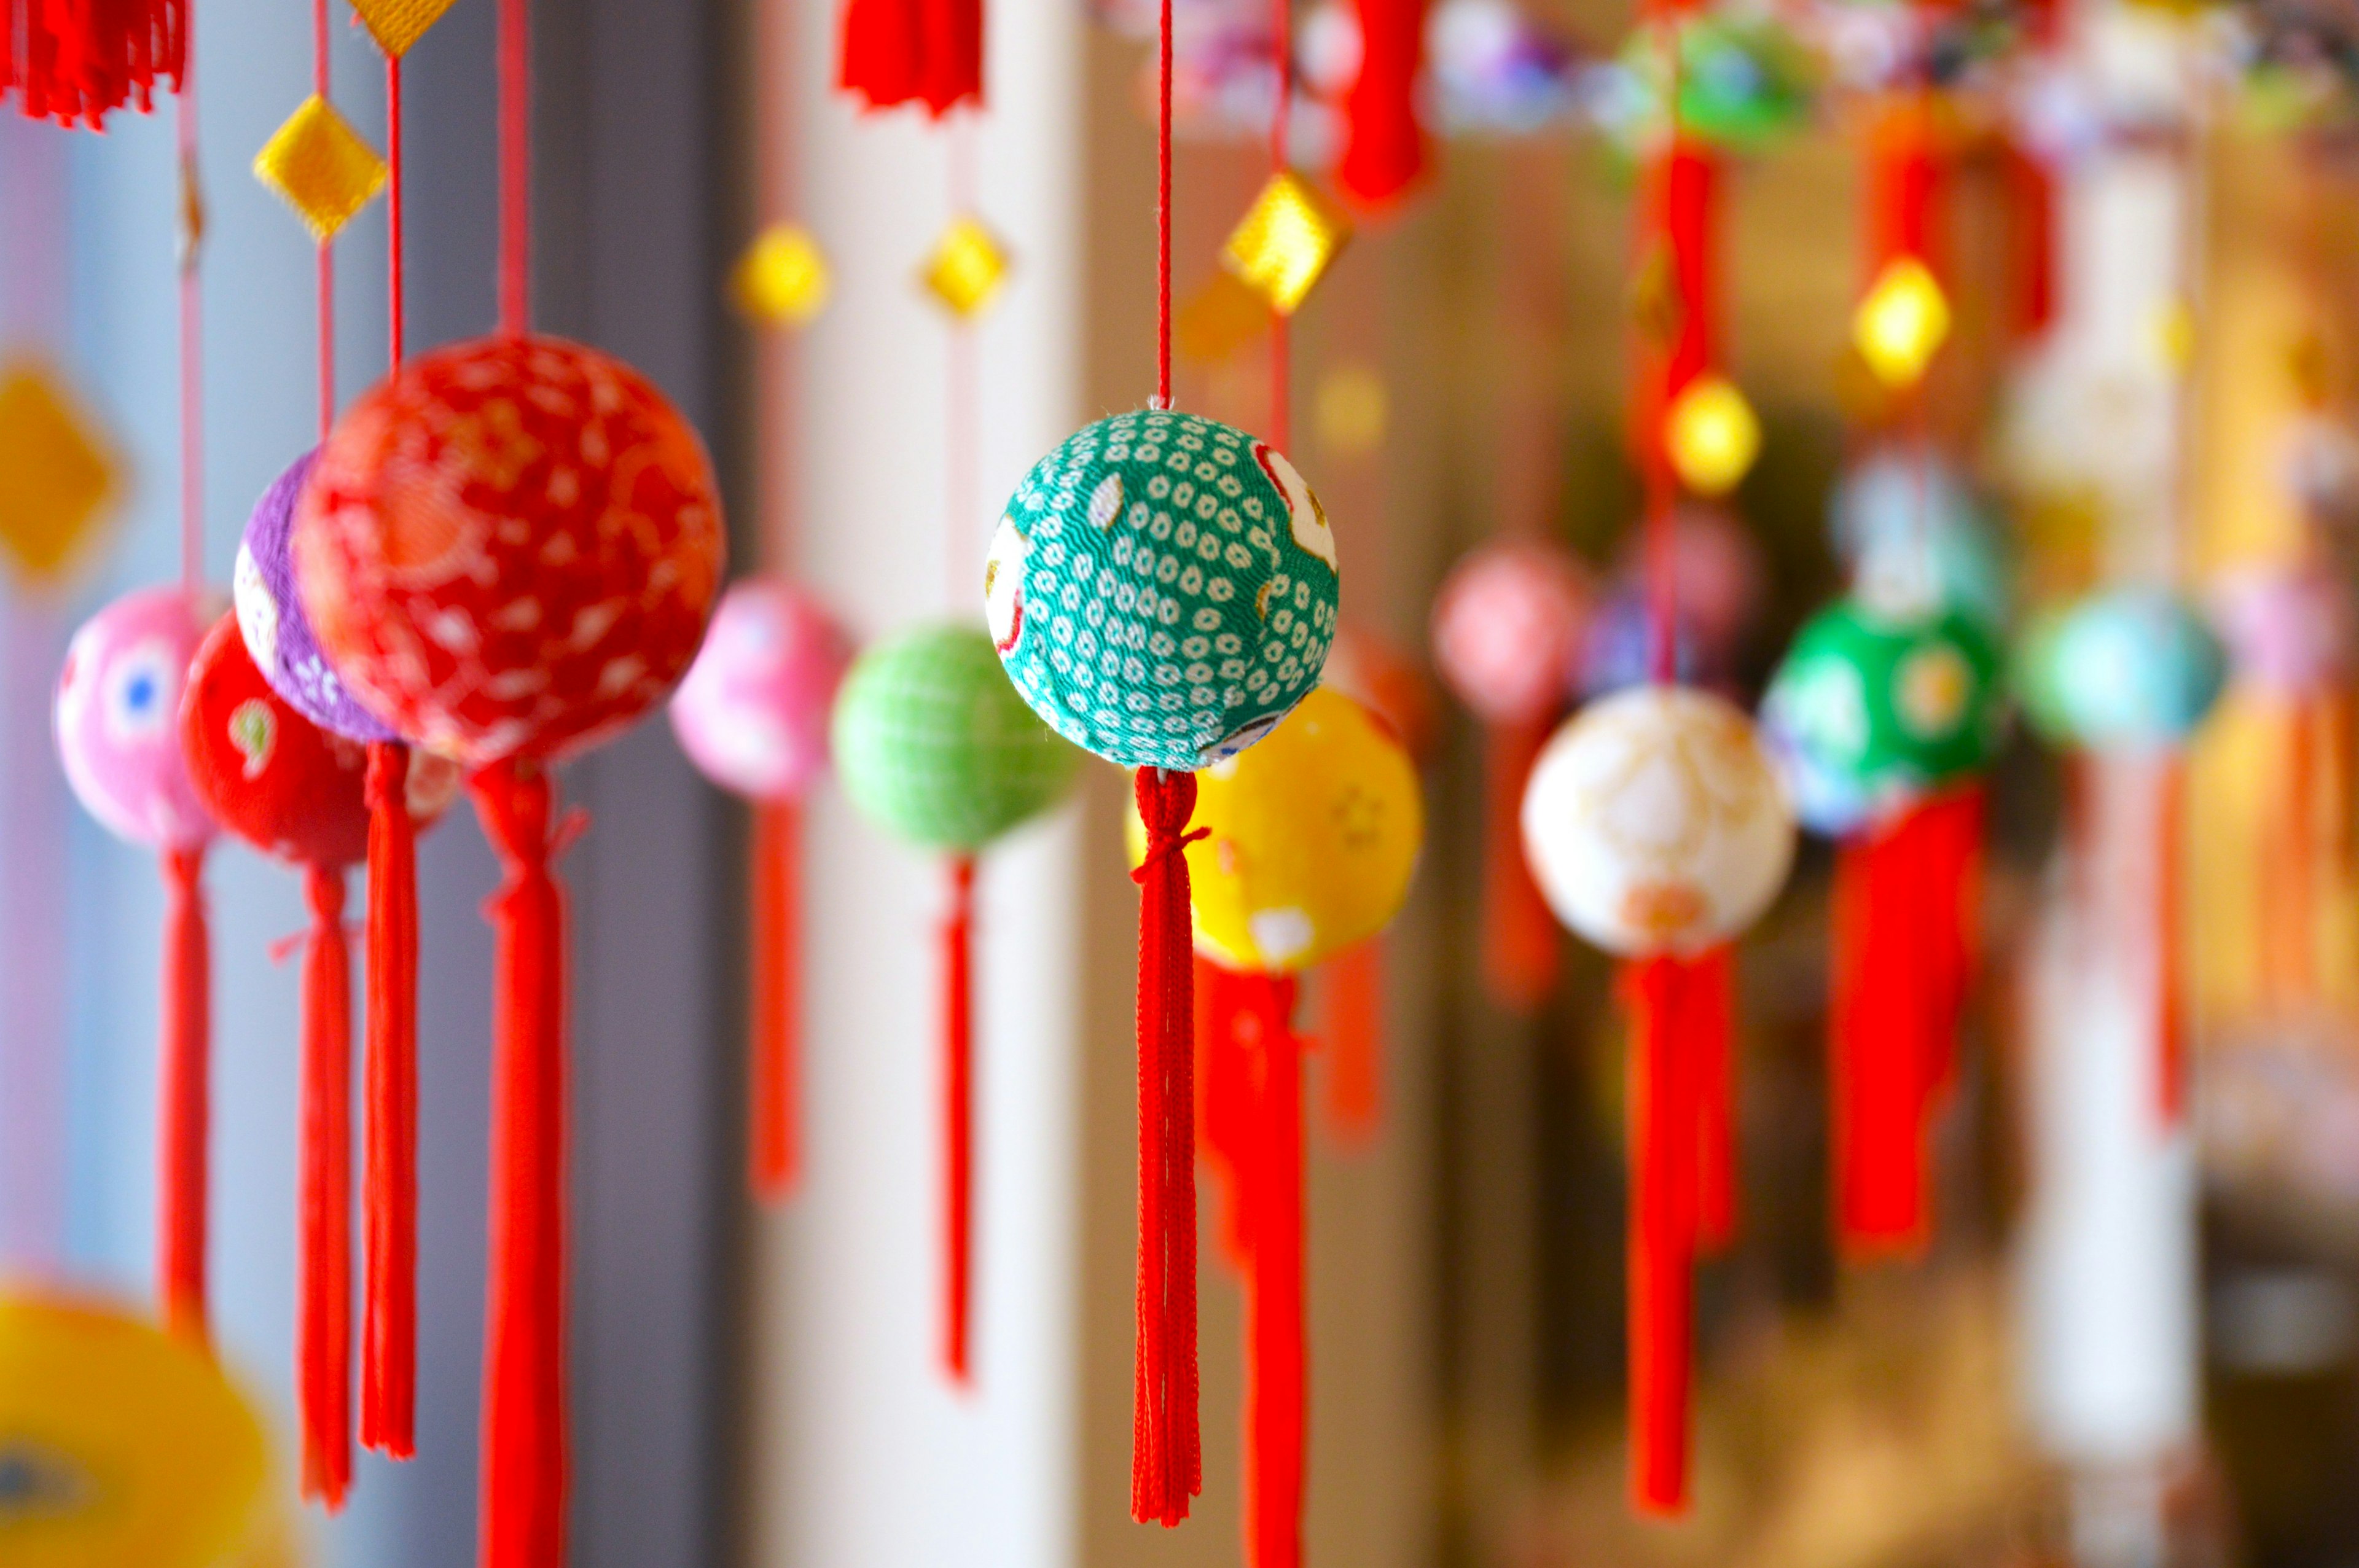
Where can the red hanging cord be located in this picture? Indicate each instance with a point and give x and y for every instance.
(1662, 1227)
(1224, 1102)
(396, 287)
(516, 167)
(958, 1120)
(1166, 1458)
(2170, 911)
(1281, 354)
(774, 1082)
(186, 1060)
(1711, 1001)
(1520, 936)
(1163, 209)
(1352, 1025)
(192, 353)
(389, 1198)
(1276, 1356)
(324, 1326)
(524, 1445)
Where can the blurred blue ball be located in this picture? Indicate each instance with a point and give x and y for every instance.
(2134, 667)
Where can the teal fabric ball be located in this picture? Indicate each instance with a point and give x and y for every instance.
(933, 745)
(1162, 589)
(2135, 667)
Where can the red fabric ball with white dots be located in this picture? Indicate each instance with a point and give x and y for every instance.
(1505, 627)
(510, 548)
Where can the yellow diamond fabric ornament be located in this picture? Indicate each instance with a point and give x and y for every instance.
(782, 280)
(967, 268)
(398, 23)
(56, 475)
(1286, 240)
(1901, 324)
(320, 167)
(1711, 436)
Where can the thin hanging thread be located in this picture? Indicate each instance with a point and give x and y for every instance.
(959, 451)
(515, 168)
(1659, 544)
(396, 323)
(1281, 345)
(320, 87)
(192, 365)
(1163, 211)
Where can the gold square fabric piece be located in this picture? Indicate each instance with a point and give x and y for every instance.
(1285, 241)
(967, 268)
(1900, 325)
(398, 23)
(56, 474)
(320, 167)
(1712, 434)
(782, 280)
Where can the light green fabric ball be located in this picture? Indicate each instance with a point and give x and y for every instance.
(1162, 589)
(933, 744)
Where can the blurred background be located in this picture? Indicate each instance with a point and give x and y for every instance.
(2134, 1338)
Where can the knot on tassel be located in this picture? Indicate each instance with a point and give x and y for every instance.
(1166, 801)
(386, 785)
(514, 800)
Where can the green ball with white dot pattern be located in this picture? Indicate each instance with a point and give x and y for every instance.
(1162, 589)
(933, 744)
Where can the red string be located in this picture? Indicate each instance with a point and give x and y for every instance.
(1163, 211)
(1276, 1350)
(516, 167)
(964, 411)
(1281, 346)
(525, 1459)
(774, 1082)
(186, 1054)
(958, 1120)
(327, 282)
(396, 290)
(1224, 1101)
(1711, 1027)
(2170, 911)
(389, 1196)
(1519, 934)
(323, 1331)
(1167, 1455)
(192, 360)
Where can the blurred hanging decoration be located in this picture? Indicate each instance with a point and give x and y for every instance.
(75, 61)
(1383, 142)
(559, 598)
(1181, 673)
(60, 480)
(1655, 825)
(299, 794)
(1723, 583)
(912, 52)
(1310, 841)
(932, 745)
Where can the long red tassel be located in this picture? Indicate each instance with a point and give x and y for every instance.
(1711, 1013)
(773, 1082)
(1224, 1102)
(1519, 934)
(323, 1332)
(1167, 1453)
(1384, 149)
(1352, 1022)
(524, 1437)
(958, 1119)
(1275, 1346)
(2170, 911)
(185, 1061)
(76, 61)
(903, 51)
(389, 1196)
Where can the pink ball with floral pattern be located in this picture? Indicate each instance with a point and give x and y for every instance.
(752, 711)
(117, 713)
(1505, 626)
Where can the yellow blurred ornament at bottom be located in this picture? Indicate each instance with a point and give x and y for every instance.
(121, 1445)
(1313, 834)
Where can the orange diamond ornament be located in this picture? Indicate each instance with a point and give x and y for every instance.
(398, 23)
(56, 477)
(320, 167)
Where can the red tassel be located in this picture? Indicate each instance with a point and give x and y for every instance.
(1711, 1022)
(1354, 1028)
(524, 1434)
(1167, 1452)
(774, 1083)
(2170, 1002)
(2033, 236)
(1225, 1103)
(958, 1117)
(389, 1201)
(1274, 1355)
(1905, 909)
(75, 60)
(323, 1331)
(1904, 193)
(903, 51)
(186, 1060)
(1384, 148)
(1519, 934)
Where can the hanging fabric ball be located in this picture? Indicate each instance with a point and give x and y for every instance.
(126, 1445)
(2289, 629)
(1913, 539)
(1655, 823)
(2135, 667)
(1865, 713)
(1312, 837)
(1379, 677)
(933, 744)
(1506, 625)
(752, 713)
(509, 548)
(278, 781)
(117, 704)
(1162, 589)
(270, 615)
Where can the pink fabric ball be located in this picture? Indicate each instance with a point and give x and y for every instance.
(1722, 579)
(118, 716)
(752, 711)
(2289, 629)
(1505, 625)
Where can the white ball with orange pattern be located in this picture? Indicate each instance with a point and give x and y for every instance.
(1654, 822)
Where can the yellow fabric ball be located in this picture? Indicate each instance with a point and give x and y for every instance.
(124, 1445)
(1313, 835)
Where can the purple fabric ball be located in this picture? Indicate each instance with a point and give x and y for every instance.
(271, 620)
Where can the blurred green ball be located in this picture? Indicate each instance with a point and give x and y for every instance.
(2135, 667)
(933, 744)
